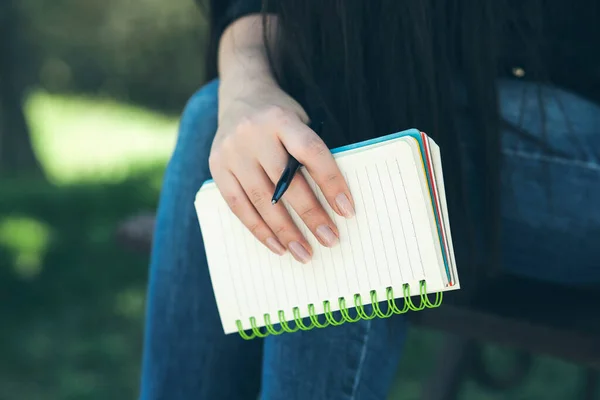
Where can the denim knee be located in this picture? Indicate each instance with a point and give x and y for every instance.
(197, 129)
(554, 123)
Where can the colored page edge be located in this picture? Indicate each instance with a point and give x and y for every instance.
(432, 190)
(437, 200)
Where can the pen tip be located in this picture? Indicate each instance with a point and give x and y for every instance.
(273, 201)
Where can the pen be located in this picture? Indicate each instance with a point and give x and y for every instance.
(286, 177)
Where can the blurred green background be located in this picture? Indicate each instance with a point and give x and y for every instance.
(90, 94)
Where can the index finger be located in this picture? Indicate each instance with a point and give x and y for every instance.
(312, 152)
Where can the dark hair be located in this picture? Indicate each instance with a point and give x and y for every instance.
(369, 68)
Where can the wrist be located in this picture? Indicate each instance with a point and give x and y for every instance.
(245, 81)
(249, 63)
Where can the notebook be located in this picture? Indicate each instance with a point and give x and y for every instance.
(394, 256)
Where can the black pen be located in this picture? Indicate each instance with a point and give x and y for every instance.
(287, 176)
(286, 179)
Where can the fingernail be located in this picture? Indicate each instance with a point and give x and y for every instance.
(275, 246)
(299, 252)
(344, 205)
(326, 235)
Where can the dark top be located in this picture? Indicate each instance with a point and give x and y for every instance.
(236, 9)
(574, 47)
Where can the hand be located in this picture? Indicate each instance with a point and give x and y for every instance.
(258, 126)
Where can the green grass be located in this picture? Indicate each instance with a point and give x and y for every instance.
(81, 138)
(72, 300)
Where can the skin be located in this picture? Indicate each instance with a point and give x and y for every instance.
(258, 125)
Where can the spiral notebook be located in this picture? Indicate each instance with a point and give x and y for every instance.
(394, 256)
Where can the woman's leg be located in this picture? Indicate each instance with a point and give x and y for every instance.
(551, 184)
(186, 354)
(352, 361)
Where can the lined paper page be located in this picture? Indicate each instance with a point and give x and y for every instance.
(388, 243)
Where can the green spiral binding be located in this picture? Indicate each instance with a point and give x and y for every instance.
(328, 316)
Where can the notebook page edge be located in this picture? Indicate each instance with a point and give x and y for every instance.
(433, 225)
(439, 198)
(437, 208)
(439, 176)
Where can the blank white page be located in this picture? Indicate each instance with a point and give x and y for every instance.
(388, 243)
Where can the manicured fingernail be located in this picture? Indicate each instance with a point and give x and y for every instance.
(299, 252)
(344, 205)
(326, 235)
(275, 246)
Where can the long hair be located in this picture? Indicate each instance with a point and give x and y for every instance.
(369, 68)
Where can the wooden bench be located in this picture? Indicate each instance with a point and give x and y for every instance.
(529, 315)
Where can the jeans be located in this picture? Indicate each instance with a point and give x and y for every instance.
(551, 231)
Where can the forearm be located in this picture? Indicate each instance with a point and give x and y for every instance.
(243, 60)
